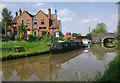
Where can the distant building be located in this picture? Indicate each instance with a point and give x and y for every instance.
(36, 23)
(68, 34)
(75, 37)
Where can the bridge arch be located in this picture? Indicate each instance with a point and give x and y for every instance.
(102, 36)
(108, 37)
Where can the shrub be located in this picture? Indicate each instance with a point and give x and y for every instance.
(17, 38)
(93, 42)
(32, 38)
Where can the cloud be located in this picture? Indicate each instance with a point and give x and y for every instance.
(95, 19)
(39, 4)
(85, 21)
(109, 24)
(65, 15)
(89, 20)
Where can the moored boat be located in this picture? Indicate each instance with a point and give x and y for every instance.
(60, 47)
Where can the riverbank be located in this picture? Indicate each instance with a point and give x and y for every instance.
(112, 73)
(30, 47)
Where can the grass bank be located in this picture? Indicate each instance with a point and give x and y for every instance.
(30, 47)
(112, 72)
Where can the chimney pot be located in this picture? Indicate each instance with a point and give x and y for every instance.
(20, 12)
(49, 13)
(55, 11)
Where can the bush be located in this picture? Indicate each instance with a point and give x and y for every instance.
(32, 38)
(93, 42)
(17, 38)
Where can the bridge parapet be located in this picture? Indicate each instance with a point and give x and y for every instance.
(102, 36)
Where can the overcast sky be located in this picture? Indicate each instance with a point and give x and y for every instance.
(75, 16)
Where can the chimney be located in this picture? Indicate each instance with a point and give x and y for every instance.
(49, 13)
(55, 14)
(16, 13)
(20, 12)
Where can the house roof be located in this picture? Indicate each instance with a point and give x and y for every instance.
(55, 24)
(29, 14)
(52, 20)
(15, 19)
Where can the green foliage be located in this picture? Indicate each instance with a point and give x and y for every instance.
(6, 18)
(11, 37)
(68, 39)
(32, 38)
(71, 38)
(43, 33)
(100, 28)
(22, 29)
(112, 71)
(17, 38)
(93, 42)
(30, 47)
(79, 34)
(100, 39)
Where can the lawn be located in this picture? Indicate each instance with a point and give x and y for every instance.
(30, 47)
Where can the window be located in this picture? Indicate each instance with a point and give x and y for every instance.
(38, 31)
(22, 21)
(28, 22)
(42, 27)
(42, 21)
(14, 25)
(35, 21)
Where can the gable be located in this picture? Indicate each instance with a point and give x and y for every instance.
(41, 14)
(23, 16)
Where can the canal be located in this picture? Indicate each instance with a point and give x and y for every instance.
(76, 65)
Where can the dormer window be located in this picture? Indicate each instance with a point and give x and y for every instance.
(42, 21)
(35, 21)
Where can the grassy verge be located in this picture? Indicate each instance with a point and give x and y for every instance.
(30, 47)
(112, 70)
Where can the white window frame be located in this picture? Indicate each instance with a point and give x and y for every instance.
(28, 22)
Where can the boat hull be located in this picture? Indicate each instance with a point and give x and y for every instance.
(61, 47)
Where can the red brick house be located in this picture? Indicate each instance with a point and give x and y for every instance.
(36, 24)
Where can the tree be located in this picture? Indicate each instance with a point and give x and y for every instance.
(100, 28)
(22, 29)
(79, 34)
(6, 18)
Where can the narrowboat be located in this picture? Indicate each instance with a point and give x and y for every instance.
(61, 47)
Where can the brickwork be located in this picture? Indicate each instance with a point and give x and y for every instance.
(45, 22)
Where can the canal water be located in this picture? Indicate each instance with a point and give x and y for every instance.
(76, 65)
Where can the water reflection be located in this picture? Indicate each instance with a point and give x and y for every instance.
(49, 67)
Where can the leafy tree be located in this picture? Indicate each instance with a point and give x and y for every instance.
(6, 18)
(79, 34)
(100, 28)
(22, 29)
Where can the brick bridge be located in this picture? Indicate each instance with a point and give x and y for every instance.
(102, 36)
